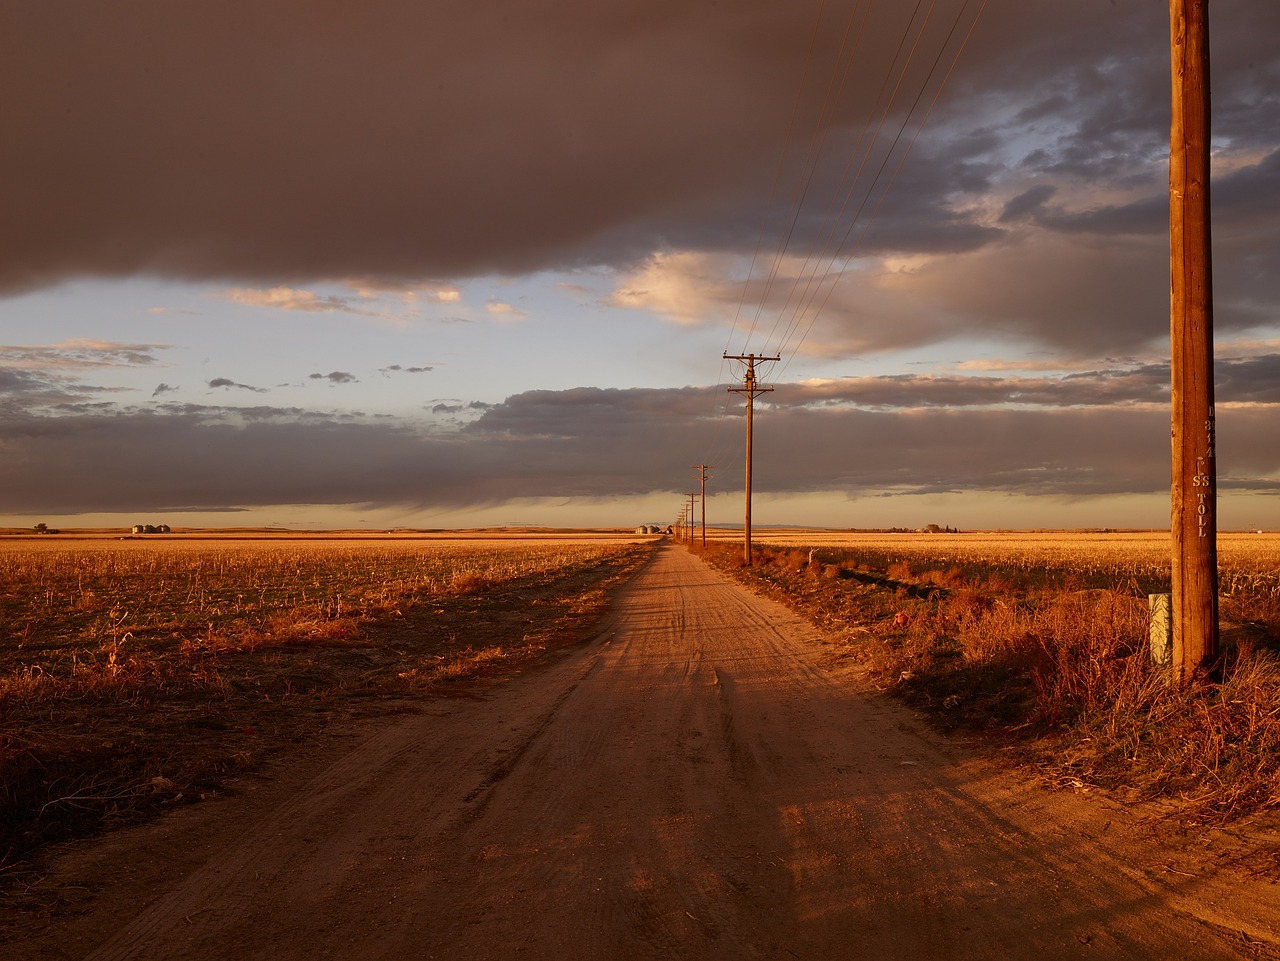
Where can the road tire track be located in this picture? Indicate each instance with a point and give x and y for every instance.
(697, 783)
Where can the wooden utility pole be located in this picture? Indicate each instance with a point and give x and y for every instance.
(1194, 490)
(750, 387)
(703, 468)
(692, 528)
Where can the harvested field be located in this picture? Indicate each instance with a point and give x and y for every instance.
(703, 780)
(1039, 642)
(138, 673)
(1100, 558)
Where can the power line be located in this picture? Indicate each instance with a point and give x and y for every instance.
(777, 175)
(835, 215)
(750, 387)
(817, 278)
(810, 166)
(814, 283)
(830, 288)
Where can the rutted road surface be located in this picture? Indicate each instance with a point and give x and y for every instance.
(695, 784)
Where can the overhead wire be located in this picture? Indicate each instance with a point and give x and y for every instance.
(817, 142)
(818, 266)
(835, 214)
(813, 314)
(720, 402)
(778, 169)
(825, 256)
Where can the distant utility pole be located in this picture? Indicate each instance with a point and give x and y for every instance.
(703, 468)
(1194, 488)
(692, 498)
(750, 387)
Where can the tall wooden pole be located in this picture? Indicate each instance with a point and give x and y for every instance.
(746, 519)
(750, 387)
(1194, 491)
(702, 470)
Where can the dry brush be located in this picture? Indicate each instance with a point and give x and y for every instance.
(135, 675)
(1041, 643)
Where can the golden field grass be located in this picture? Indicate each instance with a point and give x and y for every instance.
(1103, 557)
(1039, 642)
(144, 672)
(140, 672)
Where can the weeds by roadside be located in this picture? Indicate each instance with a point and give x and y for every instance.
(132, 681)
(1058, 667)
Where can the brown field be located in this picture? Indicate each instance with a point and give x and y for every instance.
(139, 672)
(1243, 558)
(1039, 641)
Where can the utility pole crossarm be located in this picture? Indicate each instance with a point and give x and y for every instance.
(750, 385)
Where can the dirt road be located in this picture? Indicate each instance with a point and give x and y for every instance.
(696, 784)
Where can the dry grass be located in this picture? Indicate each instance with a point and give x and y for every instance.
(138, 673)
(1036, 648)
(1106, 559)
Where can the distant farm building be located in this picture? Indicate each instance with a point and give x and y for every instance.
(151, 529)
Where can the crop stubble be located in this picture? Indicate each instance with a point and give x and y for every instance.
(139, 673)
(1039, 641)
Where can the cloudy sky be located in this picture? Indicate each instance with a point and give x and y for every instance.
(444, 263)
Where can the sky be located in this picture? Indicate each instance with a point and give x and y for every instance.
(443, 264)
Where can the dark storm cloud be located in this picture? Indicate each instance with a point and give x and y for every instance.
(863, 437)
(25, 388)
(396, 368)
(552, 410)
(253, 139)
(1235, 199)
(1029, 202)
(336, 377)
(1250, 380)
(80, 354)
(245, 415)
(1244, 194)
(458, 407)
(269, 145)
(226, 383)
(19, 381)
(249, 139)
(45, 389)
(1149, 384)
(1246, 254)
